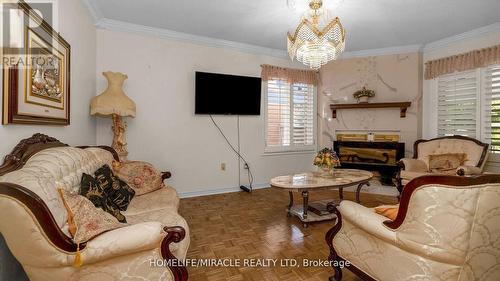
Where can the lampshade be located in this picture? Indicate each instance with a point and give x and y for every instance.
(113, 100)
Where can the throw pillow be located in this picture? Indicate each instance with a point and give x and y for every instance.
(95, 191)
(86, 221)
(388, 211)
(141, 176)
(117, 190)
(446, 163)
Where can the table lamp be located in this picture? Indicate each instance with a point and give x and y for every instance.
(114, 103)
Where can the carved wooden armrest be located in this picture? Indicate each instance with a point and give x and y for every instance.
(333, 256)
(332, 208)
(174, 234)
(468, 171)
(42, 214)
(414, 165)
(165, 175)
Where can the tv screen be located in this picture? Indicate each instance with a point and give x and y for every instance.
(227, 94)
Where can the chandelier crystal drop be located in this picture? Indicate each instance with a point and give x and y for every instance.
(317, 39)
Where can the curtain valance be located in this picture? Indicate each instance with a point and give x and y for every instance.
(471, 60)
(289, 74)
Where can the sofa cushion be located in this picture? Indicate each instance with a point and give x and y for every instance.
(165, 198)
(141, 176)
(95, 191)
(84, 219)
(166, 217)
(408, 175)
(116, 190)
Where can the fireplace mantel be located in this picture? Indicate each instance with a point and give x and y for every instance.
(403, 106)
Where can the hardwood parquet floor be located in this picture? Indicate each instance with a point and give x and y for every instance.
(242, 226)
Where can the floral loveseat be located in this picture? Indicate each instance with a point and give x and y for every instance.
(447, 229)
(34, 220)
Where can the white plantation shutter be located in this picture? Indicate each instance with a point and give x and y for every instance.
(303, 114)
(290, 116)
(491, 107)
(278, 113)
(458, 105)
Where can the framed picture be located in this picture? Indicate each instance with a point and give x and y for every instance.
(36, 84)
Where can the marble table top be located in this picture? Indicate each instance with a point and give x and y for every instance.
(316, 180)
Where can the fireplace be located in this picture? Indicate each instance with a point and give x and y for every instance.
(373, 152)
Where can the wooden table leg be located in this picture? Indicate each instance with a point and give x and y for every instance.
(290, 204)
(305, 198)
(341, 193)
(358, 190)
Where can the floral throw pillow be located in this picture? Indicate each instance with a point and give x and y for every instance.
(446, 163)
(96, 192)
(141, 176)
(84, 219)
(116, 190)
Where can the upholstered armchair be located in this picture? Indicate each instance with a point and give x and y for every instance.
(447, 228)
(474, 151)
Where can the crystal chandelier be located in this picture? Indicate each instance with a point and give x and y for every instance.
(317, 39)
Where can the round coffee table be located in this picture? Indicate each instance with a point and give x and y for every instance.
(306, 182)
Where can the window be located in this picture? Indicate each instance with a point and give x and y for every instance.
(491, 107)
(290, 116)
(469, 105)
(457, 105)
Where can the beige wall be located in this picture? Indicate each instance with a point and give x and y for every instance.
(395, 78)
(166, 131)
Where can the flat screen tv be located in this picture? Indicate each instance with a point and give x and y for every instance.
(227, 94)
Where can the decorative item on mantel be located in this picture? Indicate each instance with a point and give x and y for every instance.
(363, 95)
(326, 160)
(115, 103)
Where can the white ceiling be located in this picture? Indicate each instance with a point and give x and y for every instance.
(370, 24)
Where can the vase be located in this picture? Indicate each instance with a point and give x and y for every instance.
(363, 99)
(326, 172)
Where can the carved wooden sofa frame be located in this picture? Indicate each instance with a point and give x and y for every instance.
(460, 172)
(38, 142)
(409, 189)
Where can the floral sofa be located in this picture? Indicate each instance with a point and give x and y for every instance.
(447, 228)
(34, 220)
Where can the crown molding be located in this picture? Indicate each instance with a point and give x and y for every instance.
(104, 23)
(475, 33)
(382, 51)
(122, 26)
(94, 10)
(115, 25)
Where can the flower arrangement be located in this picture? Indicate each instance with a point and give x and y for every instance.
(363, 95)
(326, 159)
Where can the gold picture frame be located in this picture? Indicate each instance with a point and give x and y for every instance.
(38, 91)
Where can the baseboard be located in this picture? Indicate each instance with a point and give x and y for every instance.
(214, 191)
(375, 188)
